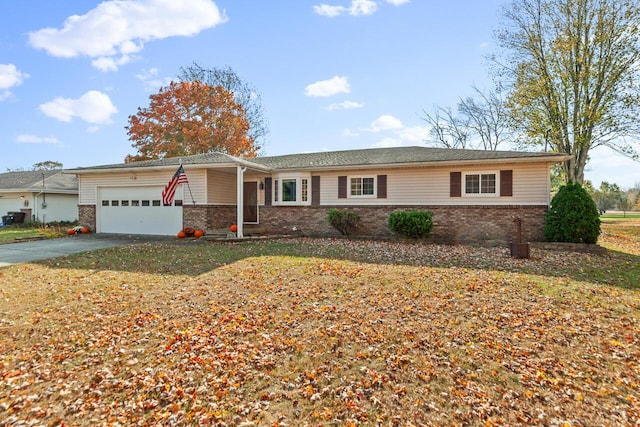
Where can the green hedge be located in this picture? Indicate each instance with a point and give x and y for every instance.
(414, 223)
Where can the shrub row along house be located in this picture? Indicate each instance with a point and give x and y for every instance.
(474, 195)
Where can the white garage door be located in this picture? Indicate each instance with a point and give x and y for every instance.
(138, 210)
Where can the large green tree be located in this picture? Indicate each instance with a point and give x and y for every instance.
(573, 66)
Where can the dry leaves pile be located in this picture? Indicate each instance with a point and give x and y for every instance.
(273, 340)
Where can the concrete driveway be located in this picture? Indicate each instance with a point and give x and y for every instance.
(15, 253)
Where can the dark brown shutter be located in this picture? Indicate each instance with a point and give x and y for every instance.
(267, 191)
(455, 187)
(315, 190)
(506, 183)
(342, 187)
(382, 186)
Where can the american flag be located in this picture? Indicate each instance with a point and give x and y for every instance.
(170, 189)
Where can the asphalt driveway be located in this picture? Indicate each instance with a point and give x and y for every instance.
(15, 253)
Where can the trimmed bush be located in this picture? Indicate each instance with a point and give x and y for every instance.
(573, 217)
(414, 223)
(343, 220)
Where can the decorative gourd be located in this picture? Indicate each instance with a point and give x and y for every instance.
(234, 228)
(181, 235)
(198, 233)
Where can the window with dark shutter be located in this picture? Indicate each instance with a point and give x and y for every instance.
(267, 191)
(506, 183)
(455, 187)
(382, 186)
(342, 187)
(315, 190)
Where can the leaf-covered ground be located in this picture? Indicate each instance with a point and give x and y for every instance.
(323, 333)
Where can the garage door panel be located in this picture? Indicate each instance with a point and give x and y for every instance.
(137, 210)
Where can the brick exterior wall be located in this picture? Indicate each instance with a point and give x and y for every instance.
(452, 224)
(87, 216)
(208, 218)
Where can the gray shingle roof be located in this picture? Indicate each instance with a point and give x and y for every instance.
(392, 156)
(396, 156)
(197, 159)
(32, 181)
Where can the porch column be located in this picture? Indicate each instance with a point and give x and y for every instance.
(240, 200)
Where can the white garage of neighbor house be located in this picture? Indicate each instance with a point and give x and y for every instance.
(474, 195)
(43, 196)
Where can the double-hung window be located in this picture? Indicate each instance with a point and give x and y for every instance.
(476, 184)
(362, 186)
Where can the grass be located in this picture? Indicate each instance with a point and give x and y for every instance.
(323, 332)
(620, 216)
(18, 232)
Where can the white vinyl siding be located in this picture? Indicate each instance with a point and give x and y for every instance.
(421, 186)
(88, 183)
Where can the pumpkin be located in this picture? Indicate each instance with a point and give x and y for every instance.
(234, 228)
(84, 230)
(181, 234)
(71, 231)
(198, 233)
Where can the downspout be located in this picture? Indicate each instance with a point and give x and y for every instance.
(240, 201)
(35, 206)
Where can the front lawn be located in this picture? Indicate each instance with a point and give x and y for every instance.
(323, 332)
(19, 232)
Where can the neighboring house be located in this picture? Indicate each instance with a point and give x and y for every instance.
(43, 196)
(474, 195)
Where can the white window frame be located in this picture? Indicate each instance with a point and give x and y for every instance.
(279, 180)
(362, 196)
(480, 194)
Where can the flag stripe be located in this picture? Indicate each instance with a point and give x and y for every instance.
(169, 191)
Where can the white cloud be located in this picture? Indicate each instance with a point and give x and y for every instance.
(151, 80)
(356, 8)
(345, 105)
(484, 45)
(93, 107)
(415, 134)
(385, 122)
(10, 76)
(114, 31)
(34, 139)
(398, 2)
(349, 133)
(403, 137)
(333, 86)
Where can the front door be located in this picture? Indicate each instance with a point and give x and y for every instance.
(250, 201)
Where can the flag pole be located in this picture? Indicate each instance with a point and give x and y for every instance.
(189, 187)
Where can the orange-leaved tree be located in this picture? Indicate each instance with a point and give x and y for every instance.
(187, 118)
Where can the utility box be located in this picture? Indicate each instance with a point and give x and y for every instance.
(519, 249)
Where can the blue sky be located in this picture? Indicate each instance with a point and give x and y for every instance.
(333, 74)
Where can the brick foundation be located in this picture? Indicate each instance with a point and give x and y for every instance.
(87, 216)
(208, 217)
(452, 224)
